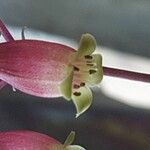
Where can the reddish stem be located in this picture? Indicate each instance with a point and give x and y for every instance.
(4, 31)
(119, 73)
(8, 37)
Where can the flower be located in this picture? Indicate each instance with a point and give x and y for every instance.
(29, 140)
(47, 69)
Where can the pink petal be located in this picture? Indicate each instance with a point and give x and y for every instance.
(34, 67)
(27, 140)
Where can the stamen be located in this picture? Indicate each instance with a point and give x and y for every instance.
(92, 71)
(90, 65)
(88, 62)
(82, 84)
(80, 63)
(77, 93)
(81, 72)
(76, 69)
(88, 57)
(76, 86)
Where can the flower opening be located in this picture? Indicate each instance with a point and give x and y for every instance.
(85, 69)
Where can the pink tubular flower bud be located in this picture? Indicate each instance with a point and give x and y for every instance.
(34, 67)
(29, 140)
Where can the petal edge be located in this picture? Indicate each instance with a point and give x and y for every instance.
(82, 102)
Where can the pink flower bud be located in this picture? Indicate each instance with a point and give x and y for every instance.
(34, 67)
(29, 140)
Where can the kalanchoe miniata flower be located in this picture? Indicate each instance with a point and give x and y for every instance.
(48, 69)
(29, 140)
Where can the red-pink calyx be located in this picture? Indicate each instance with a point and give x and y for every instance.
(34, 67)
